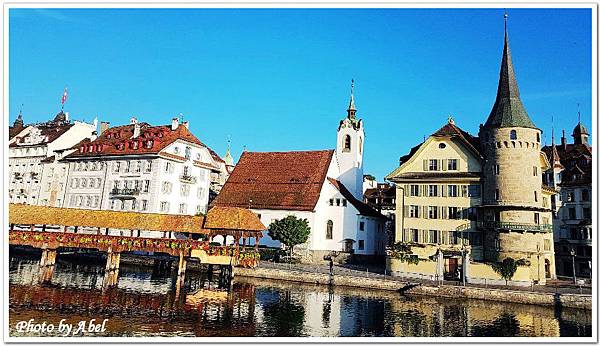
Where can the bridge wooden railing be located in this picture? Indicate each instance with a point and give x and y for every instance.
(55, 240)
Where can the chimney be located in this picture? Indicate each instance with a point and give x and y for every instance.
(563, 140)
(133, 121)
(104, 125)
(186, 124)
(94, 136)
(67, 116)
(174, 124)
(136, 129)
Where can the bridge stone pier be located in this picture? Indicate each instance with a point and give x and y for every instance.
(111, 273)
(47, 263)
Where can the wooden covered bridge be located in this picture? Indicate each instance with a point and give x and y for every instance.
(212, 239)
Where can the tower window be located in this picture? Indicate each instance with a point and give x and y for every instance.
(360, 147)
(535, 197)
(537, 136)
(329, 234)
(513, 134)
(497, 194)
(496, 169)
(347, 143)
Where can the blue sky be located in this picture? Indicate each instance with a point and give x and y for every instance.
(279, 79)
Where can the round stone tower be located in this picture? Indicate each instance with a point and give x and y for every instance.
(515, 217)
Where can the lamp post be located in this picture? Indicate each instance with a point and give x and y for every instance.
(573, 258)
(464, 268)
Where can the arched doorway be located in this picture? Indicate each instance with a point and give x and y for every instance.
(547, 268)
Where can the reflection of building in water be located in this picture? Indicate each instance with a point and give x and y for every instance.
(323, 312)
(427, 317)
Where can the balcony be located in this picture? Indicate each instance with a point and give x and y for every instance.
(124, 193)
(187, 179)
(513, 226)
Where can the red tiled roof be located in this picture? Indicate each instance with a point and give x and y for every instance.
(51, 133)
(276, 180)
(363, 208)
(119, 140)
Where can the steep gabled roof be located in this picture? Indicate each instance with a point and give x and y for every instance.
(289, 180)
(508, 110)
(363, 208)
(50, 132)
(452, 131)
(118, 140)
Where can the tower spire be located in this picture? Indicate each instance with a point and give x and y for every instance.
(352, 106)
(508, 109)
(228, 158)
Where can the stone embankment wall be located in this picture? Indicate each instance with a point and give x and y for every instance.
(523, 297)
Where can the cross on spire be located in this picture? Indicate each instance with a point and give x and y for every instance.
(352, 106)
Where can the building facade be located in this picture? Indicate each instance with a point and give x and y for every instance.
(33, 150)
(382, 197)
(570, 173)
(143, 168)
(472, 200)
(324, 187)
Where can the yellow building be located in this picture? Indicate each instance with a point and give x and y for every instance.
(465, 202)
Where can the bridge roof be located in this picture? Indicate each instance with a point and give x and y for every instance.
(225, 218)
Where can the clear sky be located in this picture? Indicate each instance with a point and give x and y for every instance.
(277, 80)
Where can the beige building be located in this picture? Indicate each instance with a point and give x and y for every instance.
(471, 201)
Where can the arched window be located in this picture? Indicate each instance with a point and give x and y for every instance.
(513, 134)
(329, 234)
(347, 143)
(188, 153)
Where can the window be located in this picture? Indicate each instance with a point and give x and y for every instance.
(176, 150)
(587, 213)
(344, 202)
(185, 190)
(452, 190)
(329, 232)
(347, 143)
(572, 214)
(452, 238)
(144, 205)
(513, 134)
(331, 202)
(128, 166)
(442, 145)
(414, 211)
(337, 202)
(535, 171)
(138, 166)
(83, 182)
(133, 204)
(122, 205)
(585, 195)
(361, 244)
(452, 164)
(537, 137)
(433, 165)
(433, 212)
(433, 190)
(535, 198)
(361, 226)
(182, 208)
(112, 204)
(414, 190)
(167, 167)
(164, 207)
(433, 237)
(148, 166)
(414, 235)
(453, 213)
(570, 196)
(497, 194)
(536, 218)
(474, 190)
(146, 186)
(166, 188)
(496, 169)
(188, 153)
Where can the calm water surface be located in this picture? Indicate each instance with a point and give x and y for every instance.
(144, 304)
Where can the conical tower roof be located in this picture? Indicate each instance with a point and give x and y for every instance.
(508, 110)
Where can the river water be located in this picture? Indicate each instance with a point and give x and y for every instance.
(144, 304)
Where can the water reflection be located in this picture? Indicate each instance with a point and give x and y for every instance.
(144, 304)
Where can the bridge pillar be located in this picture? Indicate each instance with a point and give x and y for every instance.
(180, 274)
(47, 265)
(111, 272)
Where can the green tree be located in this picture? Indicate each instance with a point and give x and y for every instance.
(508, 267)
(290, 230)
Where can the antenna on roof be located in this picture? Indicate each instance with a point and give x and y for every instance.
(578, 114)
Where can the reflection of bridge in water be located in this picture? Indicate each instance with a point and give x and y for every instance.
(181, 236)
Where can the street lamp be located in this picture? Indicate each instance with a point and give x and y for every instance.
(573, 257)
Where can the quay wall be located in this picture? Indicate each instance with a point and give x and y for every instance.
(523, 297)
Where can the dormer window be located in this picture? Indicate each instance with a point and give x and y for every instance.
(347, 143)
(149, 144)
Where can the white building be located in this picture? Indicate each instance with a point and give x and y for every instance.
(324, 187)
(32, 150)
(139, 167)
